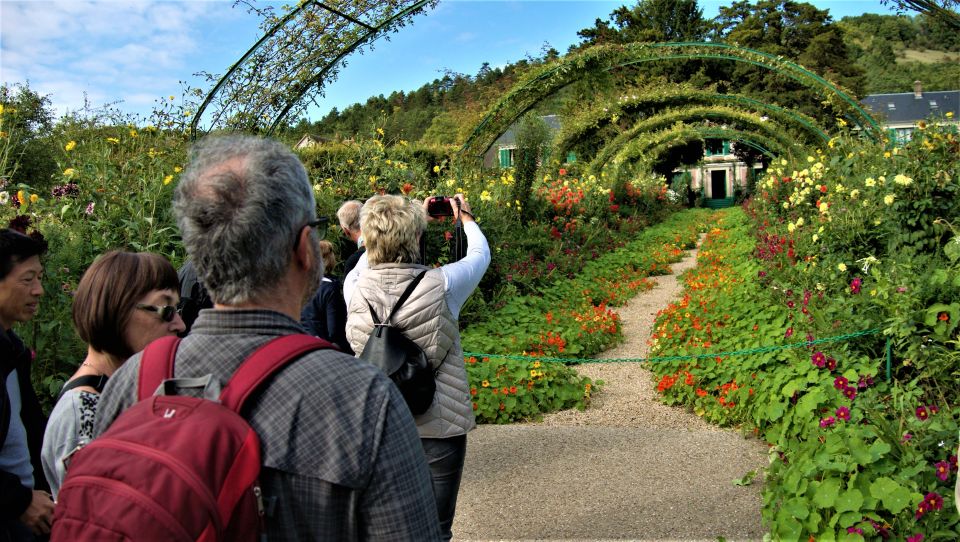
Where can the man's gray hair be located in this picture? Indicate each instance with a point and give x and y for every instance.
(240, 206)
(349, 215)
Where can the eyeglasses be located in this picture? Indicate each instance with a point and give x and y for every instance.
(319, 225)
(165, 312)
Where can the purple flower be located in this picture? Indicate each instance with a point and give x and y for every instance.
(922, 413)
(934, 500)
(831, 363)
(843, 413)
(827, 422)
(901, 290)
(865, 382)
(906, 437)
(857, 530)
(840, 382)
(818, 359)
(915, 538)
(943, 470)
(850, 392)
(551, 266)
(89, 210)
(855, 285)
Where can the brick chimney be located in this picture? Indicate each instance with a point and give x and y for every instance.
(917, 90)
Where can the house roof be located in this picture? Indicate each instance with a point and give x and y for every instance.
(510, 136)
(908, 108)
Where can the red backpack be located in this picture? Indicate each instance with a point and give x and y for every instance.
(174, 467)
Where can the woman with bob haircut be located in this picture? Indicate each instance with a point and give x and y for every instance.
(124, 301)
(392, 226)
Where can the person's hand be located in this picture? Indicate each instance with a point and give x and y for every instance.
(425, 204)
(461, 209)
(39, 515)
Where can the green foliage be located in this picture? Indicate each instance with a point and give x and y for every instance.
(532, 137)
(856, 238)
(26, 122)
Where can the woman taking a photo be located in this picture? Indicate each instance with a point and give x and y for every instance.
(392, 226)
(124, 301)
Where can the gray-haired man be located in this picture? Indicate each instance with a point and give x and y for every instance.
(341, 455)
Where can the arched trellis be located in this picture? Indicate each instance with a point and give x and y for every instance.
(645, 150)
(587, 124)
(298, 54)
(770, 131)
(555, 76)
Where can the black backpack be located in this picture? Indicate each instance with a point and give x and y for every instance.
(400, 358)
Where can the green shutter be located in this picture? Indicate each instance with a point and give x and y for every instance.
(505, 158)
(571, 157)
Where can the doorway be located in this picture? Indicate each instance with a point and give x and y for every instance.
(718, 184)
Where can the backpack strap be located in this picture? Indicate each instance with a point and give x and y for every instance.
(264, 363)
(96, 382)
(156, 365)
(406, 294)
(403, 297)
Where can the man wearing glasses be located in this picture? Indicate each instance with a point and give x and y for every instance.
(341, 459)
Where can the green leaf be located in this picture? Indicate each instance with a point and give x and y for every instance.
(797, 508)
(825, 492)
(849, 500)
(892, 495)
(746, 480)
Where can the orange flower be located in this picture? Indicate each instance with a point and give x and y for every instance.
(406, 188)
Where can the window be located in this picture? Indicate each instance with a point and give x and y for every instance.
(506, 158)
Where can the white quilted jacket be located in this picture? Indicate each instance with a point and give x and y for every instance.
(426, 319)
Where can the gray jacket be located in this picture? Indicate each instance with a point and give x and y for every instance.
(426, 319)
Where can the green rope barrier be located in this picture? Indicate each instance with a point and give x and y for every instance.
(745, 352)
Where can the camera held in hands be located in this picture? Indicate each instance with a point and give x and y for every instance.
(438, 206)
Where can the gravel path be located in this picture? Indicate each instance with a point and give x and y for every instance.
(628, 467)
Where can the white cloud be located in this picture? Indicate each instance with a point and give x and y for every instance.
(131, 50)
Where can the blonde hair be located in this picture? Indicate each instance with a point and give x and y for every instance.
(349, 215)
(327, 255)
(392, 226)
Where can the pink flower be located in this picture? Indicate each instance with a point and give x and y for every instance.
(831, 363)
(857, 530)
(922, 413)
(843, 413)
(789, 333)
(818, 359)
(855, 285)
(827, 422)
(943, 470)
(934, 501)
(915, 538)
(906, 437)
(840, 382)
(850, 392)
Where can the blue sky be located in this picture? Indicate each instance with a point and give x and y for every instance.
(136, 52)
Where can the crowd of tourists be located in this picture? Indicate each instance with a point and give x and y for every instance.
(252, 324)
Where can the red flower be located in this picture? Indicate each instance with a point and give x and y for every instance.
(406, 188)
(614, 208)
(943, 470)
(562, 172)
(922, 413)
(943, 317)
(934, 501)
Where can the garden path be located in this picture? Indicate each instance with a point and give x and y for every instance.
(628, 467)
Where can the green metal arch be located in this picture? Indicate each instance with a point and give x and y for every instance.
(589, 123)
(683, 134)
(290, 64)
(551, 78)
(652, 124)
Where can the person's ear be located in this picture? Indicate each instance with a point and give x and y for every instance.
(304, 248)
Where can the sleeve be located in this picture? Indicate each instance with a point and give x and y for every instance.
(463, 276)
(61, 437)
(398, 502)
(14, 497)
(350, 281)
(336, 309)
(119, 394)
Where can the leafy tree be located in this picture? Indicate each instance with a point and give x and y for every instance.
(649, 21)
(533, 134)
(27, 122)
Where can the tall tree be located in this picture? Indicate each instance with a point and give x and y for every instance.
(652, 21)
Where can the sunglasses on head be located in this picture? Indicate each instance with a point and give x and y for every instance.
(165, 312)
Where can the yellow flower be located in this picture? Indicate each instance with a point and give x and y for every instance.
(69, 172)
(34, 198)
(824, 207)
(70, 146)
(888, 199)
(1, 109)
(373, 178)
(21, 197)
(380, 131)
(870, 182)
(854, 193)
(791, 227)
(902, 179)
(886, 155)
(842, 266)
(113, 140)
(133, 133)
(350, 161)
(403, 143)
(485, 196)
(533, 373)
(841, 122)
(172, 98)
(485, 383)
(815, 238)
(949, 114)
(873, 292)
(167, 180)
(187, 113)
(811, 159)
(436, 169)
(177, 169)
(536, 364)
